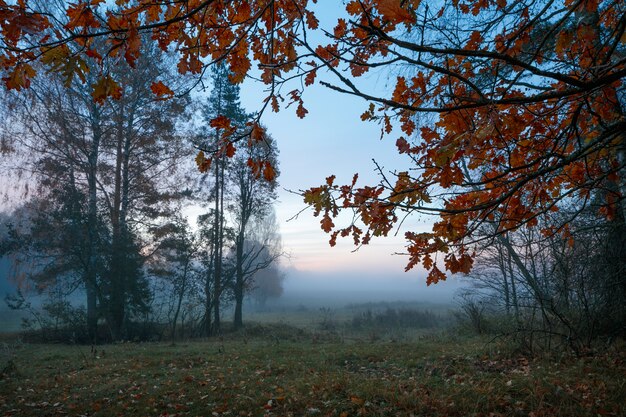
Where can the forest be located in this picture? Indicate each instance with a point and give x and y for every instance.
(104, 220)
(138, 231)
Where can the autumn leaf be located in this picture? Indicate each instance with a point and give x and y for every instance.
(268, 172)
(19, 77)
(220, 122)
(106, 87)
(230, 149)
(200, 158)
(393, 11)
(434, 276)
(161, 90)
(311, 20)
(132, 46)
(310, 78)
(61, 60)
(327, 223)
(399, 93)
(257, 133)
(563, 42)
(463, 264)
(255, 167)
(81, 15)
(203, 163)
(341, 28)
(474, 41)
(301, 111)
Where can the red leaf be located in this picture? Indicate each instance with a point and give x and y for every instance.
(257, 134)
(403, 145)
(434, 276)
(220, 122)
(301, 111)
(230, 149)
(327, 223)
(393, 11)
(161, 90)
(268, 172)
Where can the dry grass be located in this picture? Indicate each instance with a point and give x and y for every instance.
(306, 375)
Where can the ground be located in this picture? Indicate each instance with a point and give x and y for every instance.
(278, 371)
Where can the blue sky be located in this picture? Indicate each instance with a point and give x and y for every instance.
(332, 139)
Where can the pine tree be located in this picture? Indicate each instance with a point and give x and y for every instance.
(223, 101)
(248, 195)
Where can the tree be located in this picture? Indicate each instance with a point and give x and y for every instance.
(236, 183)
(252, 201)
(65, 128)
(141, 178)
(552, 291)
(526, 99)
(223, 104)
(257, 245)
(177, 262)
(521, 127)
(105, 173)
(268, 283)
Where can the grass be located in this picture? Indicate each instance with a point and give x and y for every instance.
(299, 373)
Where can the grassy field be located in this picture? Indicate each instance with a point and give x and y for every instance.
(277, 370)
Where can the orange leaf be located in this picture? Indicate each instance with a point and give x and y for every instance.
(399, 93)
(311, 20)
(434, 276)
(393, 11)
(161, 90)
(341, 28)
(301, 111)
(268, 172)
(474, 41)
(310, 78)
(81, 15)
(203, 163)
(327, 223)
(230, 149)
(104, 88)
(220, 122)
(255, 167)
(257, 133)
(20, 77)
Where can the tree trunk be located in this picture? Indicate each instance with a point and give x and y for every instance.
(505, 282)
(116, 300)
(239, 282)
(217, 276)
(513, 290)
(92, 226)
(208, 295)
(181, 295)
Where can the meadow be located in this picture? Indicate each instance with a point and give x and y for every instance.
(281, 369)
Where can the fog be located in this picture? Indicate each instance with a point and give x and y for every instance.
(327, 289)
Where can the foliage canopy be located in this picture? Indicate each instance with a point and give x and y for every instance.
(526, 97)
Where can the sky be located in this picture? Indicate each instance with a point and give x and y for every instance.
(332, 140)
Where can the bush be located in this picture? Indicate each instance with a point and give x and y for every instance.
(398, 319)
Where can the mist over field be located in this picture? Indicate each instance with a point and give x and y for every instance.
(328, 289)
(304, 289)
